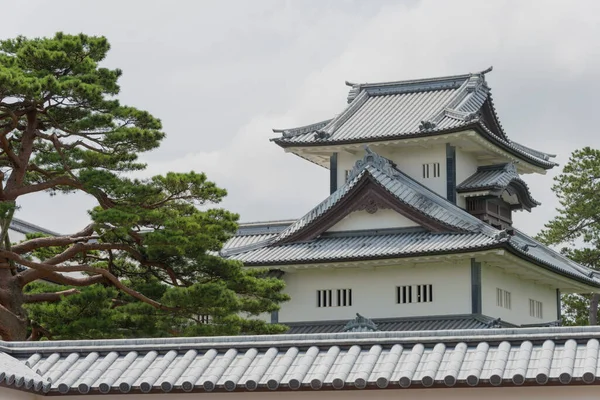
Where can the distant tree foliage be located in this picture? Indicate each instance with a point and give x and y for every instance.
(577, 227)
(147, 265)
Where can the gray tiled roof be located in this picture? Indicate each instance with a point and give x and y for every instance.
(263, 227)
(395, 110)
(14, 373)
(493, 357)
(243, 241)
(22, 226)
(490, 176)
(384, 244)
(540, 253)
(497, 178)
(357, 246)
(404, 324)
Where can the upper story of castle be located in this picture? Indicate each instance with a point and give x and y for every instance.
(442, 132)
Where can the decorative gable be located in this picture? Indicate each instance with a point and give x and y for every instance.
(494, 191)
(376, 184)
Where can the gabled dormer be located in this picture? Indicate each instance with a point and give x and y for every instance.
(494, 192)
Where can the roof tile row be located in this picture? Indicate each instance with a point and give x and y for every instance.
(339, 361)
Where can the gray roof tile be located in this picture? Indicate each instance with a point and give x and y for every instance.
(490, 176)
(381, 111)
(506, 357)
(333, 247)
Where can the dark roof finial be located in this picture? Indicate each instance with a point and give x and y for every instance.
(372, 158)
(360, 324)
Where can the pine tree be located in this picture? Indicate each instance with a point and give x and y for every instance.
(148, 262)
(577, 227)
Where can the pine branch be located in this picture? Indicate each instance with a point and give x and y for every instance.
(49, 297)
(32, 275)
(110, 278)
(84, 235)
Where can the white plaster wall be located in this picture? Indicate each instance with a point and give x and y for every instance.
(466, 165)
(408, 159)
(521, 291)
(566, 392)
(374, 291)
(379, 220)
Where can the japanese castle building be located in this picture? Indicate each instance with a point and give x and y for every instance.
(417, 232)
(416, 238)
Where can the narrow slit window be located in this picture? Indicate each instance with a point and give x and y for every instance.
(414, 294)
(431, 170)
(334, 298)
(347, 174)
(503, 299)
(535, 309)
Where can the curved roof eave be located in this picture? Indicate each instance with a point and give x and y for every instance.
(515, 250)
(505, 245)
(476, 125)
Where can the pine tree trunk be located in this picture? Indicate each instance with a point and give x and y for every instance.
(594, 309)
(13, 319)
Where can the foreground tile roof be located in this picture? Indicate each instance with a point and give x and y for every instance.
(424, 107)
(507, 357)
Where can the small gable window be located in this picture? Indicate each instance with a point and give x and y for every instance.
(431, 170)
(414, 294)
(334, 298)
(535, 309)
(503, 298)
(347, 174)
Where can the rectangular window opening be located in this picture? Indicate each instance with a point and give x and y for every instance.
(334, 298)
(503, 299)
(536, 309)
(431, 170)
(414, 294)
(347, 174)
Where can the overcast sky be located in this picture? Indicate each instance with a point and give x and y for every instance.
(222, 74)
